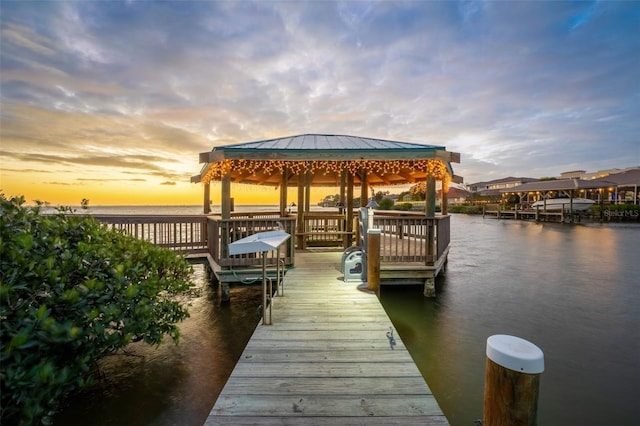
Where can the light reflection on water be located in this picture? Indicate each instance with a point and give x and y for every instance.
(173, 384)
(571, 290)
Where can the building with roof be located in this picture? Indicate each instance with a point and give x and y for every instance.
(493, 187)
(614, 188)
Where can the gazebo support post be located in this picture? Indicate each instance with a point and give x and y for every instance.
(444, 203)
(350, 209)
(341, 209)
(283, 192)
(225, 211)
(225, 202)
(300, 215)
(430, 200)
(430, 212)
(207, 198)
(307, 192)
(343, 190)
(364, 188)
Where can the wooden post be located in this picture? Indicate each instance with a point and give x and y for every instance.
(300, 216)
(512, 380)
(284, 182)
(225, 211)
(349, 206)
(225, 292)
(207, 198)
(430, 200)
(307, 192)
(429, 287)
(225, 202)
(344, 226)
(373, 259)
(444, 204)
(364, 188)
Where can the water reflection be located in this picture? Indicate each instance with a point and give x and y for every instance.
(172, 384)
(571, 290)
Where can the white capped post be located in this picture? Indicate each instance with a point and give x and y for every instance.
(512, 381)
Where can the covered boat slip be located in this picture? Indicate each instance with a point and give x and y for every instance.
(418, 243)
(330, 356)
(563, 200)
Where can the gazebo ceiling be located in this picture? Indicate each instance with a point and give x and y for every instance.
(325, 157)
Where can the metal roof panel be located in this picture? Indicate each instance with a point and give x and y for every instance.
(327, 142)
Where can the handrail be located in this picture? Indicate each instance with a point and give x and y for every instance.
(222, 232)
(412, 238)
(187, 233)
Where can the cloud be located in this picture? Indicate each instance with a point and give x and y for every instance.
(519, 88)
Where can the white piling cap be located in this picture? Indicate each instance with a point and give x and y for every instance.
(515, 354)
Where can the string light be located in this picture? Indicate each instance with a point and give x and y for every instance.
(435, 168)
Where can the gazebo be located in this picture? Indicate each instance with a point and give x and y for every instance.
(307, 160)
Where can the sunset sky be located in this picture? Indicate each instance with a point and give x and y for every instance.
(113, 101)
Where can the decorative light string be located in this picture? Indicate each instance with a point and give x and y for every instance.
(436, 168)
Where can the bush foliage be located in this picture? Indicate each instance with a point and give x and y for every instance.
(402, 207)
(385, 204)
(466, 209)
(72, 292)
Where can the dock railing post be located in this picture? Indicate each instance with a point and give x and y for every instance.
(373, 259)
(512, 380)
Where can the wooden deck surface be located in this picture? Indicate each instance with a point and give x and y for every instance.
(326, 359)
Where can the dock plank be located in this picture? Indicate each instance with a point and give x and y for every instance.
(318, 405)
(327, 358)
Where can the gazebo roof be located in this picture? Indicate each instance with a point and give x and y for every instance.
(325, 157)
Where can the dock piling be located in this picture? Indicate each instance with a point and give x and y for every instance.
(373, 259)
(512, 381)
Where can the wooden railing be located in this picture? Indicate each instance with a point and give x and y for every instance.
(412, 238)
(222, 232)
(324, 229)
(254, 215)
(184, 233)
(404, 237)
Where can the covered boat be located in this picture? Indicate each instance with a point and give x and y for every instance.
(575, 204)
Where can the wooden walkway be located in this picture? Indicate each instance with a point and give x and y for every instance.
(326, 359)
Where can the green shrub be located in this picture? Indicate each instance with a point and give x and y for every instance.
(465, 209)
(386, 204)
(403, 207)
(72, 292)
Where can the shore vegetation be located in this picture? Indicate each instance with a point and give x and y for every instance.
(72, 292)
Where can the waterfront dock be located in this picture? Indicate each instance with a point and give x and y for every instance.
(330, 356)
(538, 215)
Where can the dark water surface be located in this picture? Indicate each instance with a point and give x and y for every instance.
(572, 290)
(173, 384)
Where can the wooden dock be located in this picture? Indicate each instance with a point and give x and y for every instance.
(538, 215)
(331, 356)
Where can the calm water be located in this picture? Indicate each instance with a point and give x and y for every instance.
(173, 384)
(572, 290)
